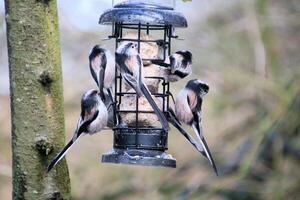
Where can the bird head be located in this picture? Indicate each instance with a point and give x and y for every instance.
(198, 86)
(96, 50)
(128, 48)
(187, 56)
(90, 100)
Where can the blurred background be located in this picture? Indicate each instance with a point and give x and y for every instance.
(247, 51)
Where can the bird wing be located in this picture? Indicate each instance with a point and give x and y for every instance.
(95, 63)
(110, 106)
(101, 76)
(140, 72)
(157, 111)
(198, 129)
(130, 80)
(94, 75)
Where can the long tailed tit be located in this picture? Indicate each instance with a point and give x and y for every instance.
(92, 119)
(188, 110)
(180, 66)
(102, 66)
(130, 65)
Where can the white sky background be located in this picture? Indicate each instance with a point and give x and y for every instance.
(83, 16)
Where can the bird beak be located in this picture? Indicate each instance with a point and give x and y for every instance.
(205, 88)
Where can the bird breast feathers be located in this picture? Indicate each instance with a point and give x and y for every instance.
(192, 99)
(183, 110)
(133, 65)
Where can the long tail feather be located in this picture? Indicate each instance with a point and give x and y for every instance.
(101, 76)
(113, 118)
(158, 112)
(205, 147)
(173, 120)
(61, 154)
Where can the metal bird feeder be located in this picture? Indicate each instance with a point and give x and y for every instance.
(137, 143)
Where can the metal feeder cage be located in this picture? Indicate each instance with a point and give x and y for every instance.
(137, 144)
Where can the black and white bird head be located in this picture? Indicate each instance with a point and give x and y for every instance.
(181, 63)
(198, 86)
(128, 49)
(96, 51)
(162, 44)
(186, 55)
(89, 102)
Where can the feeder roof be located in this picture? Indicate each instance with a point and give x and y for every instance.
(134, 12)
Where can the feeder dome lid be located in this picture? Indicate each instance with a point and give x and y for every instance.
(144, 12)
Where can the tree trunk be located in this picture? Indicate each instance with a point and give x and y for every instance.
(36, 99)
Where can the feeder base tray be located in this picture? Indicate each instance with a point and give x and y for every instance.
(139, 157)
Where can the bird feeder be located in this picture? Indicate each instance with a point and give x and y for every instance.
(151, 26)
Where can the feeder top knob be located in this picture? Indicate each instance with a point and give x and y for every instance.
(135, 12)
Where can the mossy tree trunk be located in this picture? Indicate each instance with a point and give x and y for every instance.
(36, 99)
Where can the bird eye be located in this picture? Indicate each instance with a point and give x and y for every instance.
(132, 46)
(94, 92)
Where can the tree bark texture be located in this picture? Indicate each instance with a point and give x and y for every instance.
(38, 131)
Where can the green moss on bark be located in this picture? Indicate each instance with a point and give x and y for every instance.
(36, 99)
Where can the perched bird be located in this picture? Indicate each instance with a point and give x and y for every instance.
(188, 110)
(130, 65)
(92, 119)
(178, 67)
(102, 66)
